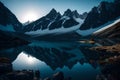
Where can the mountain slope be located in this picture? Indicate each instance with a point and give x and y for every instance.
(8, 21)
(9, 26)
(111, 31)
(100, 15)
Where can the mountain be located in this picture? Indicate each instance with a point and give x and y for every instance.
(71, 14)
(8, 21)
(84, 15)
(26, 23)
(110, 31)
(101, 14)
(9, 26)
(75, 14)
(55, 23)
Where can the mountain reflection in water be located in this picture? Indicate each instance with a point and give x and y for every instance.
(51, 57)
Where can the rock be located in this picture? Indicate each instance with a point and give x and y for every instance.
(4, 60)
(100, 77)
(23, 76)
(31, 73)
(112, 70)
(69, 78)
(37, 74)
(70, 23)
(110, 49)
(11, 76)
(58, 76)
(47, 79)
(20, 75)
(5, 65)
(3, 77)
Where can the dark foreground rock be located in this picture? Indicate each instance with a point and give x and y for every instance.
(5, 66)
(17, 75)
(110, 71)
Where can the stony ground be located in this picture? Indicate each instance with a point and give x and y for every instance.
(112, 49)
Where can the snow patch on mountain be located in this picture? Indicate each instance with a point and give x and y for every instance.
(7, 28)
(87, 32)
(56, 31)
(50, 23)
(65, 17)
(79, 20)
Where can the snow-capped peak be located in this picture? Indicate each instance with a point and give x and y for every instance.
(56, 23)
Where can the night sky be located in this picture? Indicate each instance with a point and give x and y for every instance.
(39, 8)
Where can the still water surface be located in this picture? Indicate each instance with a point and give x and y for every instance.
(51, 57)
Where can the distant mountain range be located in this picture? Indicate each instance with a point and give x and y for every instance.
(56, 24)
(72, 22)
(70, 25)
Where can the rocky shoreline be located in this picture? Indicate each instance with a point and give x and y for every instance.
(109, 62)
(111, 49)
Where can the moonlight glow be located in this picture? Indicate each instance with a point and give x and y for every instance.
(30, 59)
(27, 59)
(30, 16)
